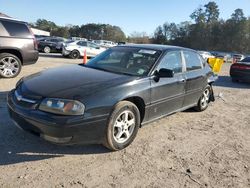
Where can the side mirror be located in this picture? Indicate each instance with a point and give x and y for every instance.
(166, 73)
(163, 73)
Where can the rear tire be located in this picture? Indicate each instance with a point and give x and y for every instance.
(75, 54)
(10, 65)
(123, 126)
(204, 99)
(47, 49)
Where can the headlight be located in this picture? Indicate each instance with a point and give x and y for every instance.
(62, 106)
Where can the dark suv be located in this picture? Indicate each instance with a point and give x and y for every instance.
(18, 47)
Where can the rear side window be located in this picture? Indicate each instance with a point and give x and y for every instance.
(16, 29)
(92, 45)
(193, 61)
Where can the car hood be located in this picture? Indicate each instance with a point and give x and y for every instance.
(71, 82)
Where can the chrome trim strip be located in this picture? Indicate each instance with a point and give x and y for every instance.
(21, 98)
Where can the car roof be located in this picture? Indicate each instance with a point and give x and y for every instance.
(10, 19)
(155, 47)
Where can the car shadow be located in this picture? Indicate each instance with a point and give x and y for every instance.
(17, 146)
(226, 81)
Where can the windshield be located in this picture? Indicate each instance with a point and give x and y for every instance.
(126, 60)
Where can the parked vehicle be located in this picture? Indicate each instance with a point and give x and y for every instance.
(240, 71)
(227, 57)
(76, 49)
(105, 43)
(50, 44)
(238, 57)
(206, 55)
(18, 47)
(108, 99)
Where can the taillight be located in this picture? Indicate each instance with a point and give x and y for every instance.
(241, 67)
(35, 42)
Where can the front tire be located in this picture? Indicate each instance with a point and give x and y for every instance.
(75, 54)
(204, 99)
(123, 126)
(10, 65)
(47, 49)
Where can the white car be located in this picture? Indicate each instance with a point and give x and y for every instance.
(105, 43)
(76, 49)
(206, 55)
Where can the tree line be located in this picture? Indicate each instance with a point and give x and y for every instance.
(89, 31)
(206, 31)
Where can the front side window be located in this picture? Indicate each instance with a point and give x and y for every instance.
(172, 61)
(126, 60)
(193, 60)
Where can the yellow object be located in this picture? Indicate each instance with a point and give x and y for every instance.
(216, 64)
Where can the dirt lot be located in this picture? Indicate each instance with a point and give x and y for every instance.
(187, 149)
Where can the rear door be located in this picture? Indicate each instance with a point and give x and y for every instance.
(195, 78)
(167, 94)
(82, 46)
(93, 49)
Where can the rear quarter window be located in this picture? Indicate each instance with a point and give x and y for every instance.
(16, 29)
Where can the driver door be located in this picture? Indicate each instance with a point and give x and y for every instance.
(167, 94)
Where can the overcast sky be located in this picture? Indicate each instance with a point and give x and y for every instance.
(130, 15)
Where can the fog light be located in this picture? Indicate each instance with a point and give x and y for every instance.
(56, 139)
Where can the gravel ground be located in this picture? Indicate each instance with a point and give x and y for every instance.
(187, 149)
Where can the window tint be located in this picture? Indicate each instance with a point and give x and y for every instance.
(16, 29)
(172, 61)
(54, 40)
(193, 61)
(82, 43)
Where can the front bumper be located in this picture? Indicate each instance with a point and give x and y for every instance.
(58, 129)
(65, 52)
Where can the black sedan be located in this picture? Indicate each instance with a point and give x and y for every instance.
(50, 44)
(240, 71)
(107, 100)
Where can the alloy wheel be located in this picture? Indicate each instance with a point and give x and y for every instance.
(205, 98)
(9, 66)
(124, 126)
(47, 49)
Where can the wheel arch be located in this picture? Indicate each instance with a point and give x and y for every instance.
(15, 52)
(139, 102)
